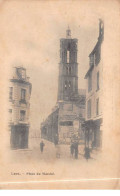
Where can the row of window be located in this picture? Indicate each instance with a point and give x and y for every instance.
(89, 107)
(90, 82)
(23, 94)
(22, 114)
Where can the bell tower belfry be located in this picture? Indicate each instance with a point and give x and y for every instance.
(64, 123)
(68, 68)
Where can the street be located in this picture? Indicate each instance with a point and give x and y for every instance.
(34, 161)
(49, 152)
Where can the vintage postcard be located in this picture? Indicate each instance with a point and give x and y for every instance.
(60, 94)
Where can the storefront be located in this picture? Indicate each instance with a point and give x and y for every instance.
(93, 133)
(19, 136)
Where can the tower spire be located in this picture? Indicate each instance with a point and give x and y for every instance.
(68, 33)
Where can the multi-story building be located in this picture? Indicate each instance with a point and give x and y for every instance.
(94, 120)
(70, 104)
(19, 107)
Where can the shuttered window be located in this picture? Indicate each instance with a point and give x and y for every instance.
(89, 108)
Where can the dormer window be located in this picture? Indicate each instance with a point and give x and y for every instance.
(92, 60)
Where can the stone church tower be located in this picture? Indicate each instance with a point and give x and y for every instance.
(68, 68)
(63, 125)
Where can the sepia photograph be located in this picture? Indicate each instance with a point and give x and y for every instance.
(60, 90)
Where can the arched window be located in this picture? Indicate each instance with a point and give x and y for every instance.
(68, 56)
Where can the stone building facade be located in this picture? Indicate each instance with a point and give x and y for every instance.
(49, 128)
(93, 76)
(70, 103)
(19, 108)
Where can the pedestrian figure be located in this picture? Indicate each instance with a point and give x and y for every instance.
(42, 146)
(87, 153)
(57, 151)
(72, 149)
(76, 150)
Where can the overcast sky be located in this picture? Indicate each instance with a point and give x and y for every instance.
(31, 32)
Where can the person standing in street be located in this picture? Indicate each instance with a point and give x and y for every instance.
(72, 149)
(42, 146)
(76, 150)
(87, 153)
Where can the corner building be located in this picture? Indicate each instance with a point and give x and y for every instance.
(19, 108)
(94, 113)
